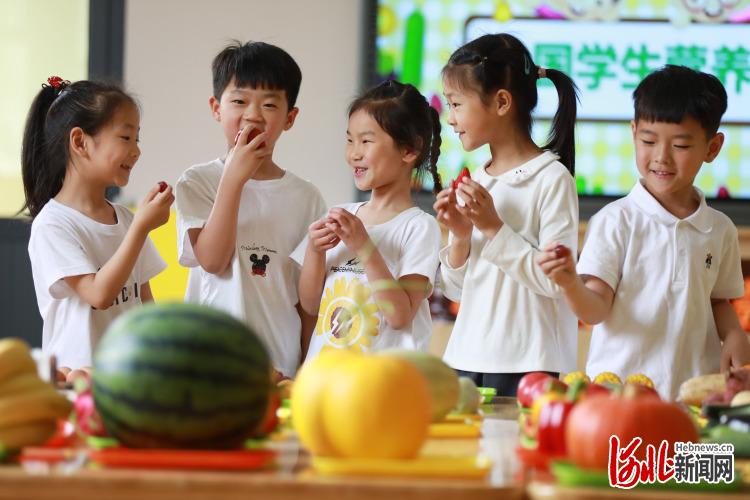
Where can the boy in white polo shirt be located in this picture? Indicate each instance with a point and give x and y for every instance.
(659, 266)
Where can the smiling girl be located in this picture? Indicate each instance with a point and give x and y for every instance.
(368, 268)
(91, 260)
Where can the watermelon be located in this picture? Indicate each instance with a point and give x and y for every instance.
(180, 376)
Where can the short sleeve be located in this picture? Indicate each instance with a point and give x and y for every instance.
(729, 283)
(298, 255)
(603, 249)
(151, 261)
(194, 200)
(56, 252)
(421, 248)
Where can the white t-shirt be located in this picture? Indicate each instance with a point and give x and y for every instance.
(348, 316)
(260, 285)
(512, 317)
(64, 242)
(664, 272)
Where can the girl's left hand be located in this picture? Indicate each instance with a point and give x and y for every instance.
(349, 228)
(479, 208)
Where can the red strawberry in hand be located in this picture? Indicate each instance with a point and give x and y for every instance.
(254, 132)
(464, 173)
(561, 251)
(454, 184)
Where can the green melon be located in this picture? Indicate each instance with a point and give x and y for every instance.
(180, 376)
(442, 379)
(469, 396)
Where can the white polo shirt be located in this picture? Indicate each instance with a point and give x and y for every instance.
(664, 272)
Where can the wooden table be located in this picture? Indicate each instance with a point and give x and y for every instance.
(292, 480)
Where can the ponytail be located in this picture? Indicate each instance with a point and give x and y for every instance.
(502, 61)
(562, 135)
(42, 179)
(56, 110)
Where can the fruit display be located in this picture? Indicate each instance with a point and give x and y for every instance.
(714, 388)
(632, 414)
(361, 406)
(29, 407)
(180, 376)
(546, 405)
(441, 379)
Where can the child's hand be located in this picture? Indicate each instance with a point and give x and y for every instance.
(735, 350)
(246, 157)
(154, 210)
(320, 235)
(448, 214)
(350, 229)
(479, 209)
(557, 263)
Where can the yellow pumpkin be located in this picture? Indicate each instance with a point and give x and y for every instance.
(361, 406)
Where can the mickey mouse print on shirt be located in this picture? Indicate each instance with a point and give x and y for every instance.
(259, 264)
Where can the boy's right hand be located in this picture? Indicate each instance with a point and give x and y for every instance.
(321, 237)
(247, 156)
(154, 209)
(557, 263)
(448, 214)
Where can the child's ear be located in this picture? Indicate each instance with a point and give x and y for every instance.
(714, 146)
(290, 117)
(409, 156)
(78, 146)
(214, 103)
(633, 128)
(502, 101)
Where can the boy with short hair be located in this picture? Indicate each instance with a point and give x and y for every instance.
(239, 217)
(659, 266)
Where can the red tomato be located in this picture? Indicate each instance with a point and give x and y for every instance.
(634, 414)
(525, 386)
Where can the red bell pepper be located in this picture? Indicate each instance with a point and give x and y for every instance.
(554, 408)
(551, 427)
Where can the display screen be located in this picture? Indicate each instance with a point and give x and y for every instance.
(607, 47)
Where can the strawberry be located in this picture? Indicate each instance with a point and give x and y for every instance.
(561, 251)
(254, 132)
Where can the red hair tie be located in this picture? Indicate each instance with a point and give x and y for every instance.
(57, 83)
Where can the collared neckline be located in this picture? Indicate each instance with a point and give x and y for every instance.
(700, 219)
(522, 172)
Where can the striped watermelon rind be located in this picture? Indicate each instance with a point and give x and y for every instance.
(180, 376)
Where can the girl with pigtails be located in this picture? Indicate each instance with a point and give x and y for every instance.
(512, 319)
(91, 260)
(369, 267)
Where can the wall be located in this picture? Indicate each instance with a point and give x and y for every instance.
(38, 38)
(169, 46)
